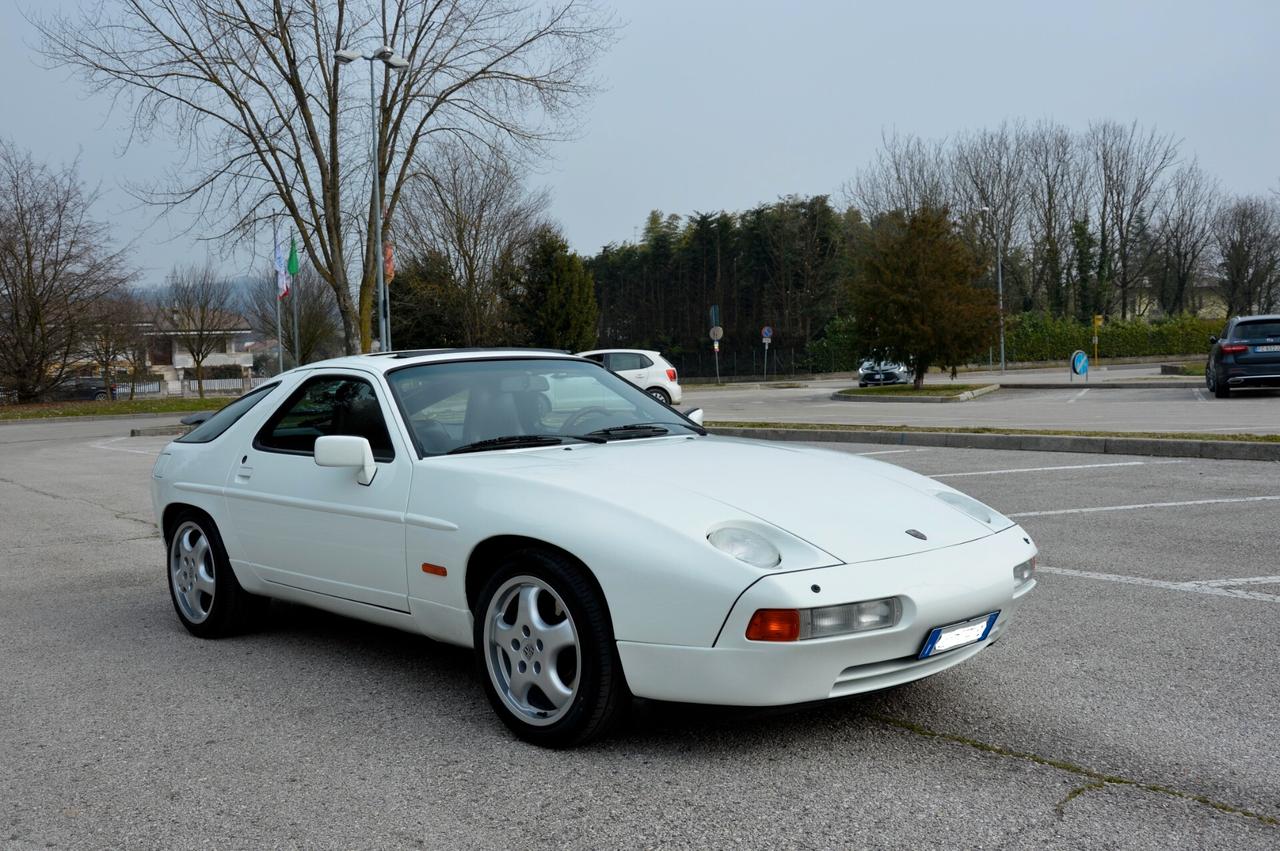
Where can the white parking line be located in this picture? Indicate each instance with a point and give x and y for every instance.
(1047, 469)
(1251, 580)
(1213, 590)
(890, 451)
(1095, 508)
(1200, 395)
(106, 444)
(1078, 395)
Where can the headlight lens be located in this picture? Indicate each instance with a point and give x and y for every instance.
(745, 545)
(1025, 571)
(825, 621)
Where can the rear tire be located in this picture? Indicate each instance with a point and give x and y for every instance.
(661, 395)
(545, 651)
(100, 396)
(1220, 388)
(205, 593)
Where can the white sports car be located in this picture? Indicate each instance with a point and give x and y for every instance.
(524, 503)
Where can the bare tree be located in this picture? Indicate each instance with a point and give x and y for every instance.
(1128, 165)
(274, 123)
(55, 264)
(988, 171)
(1056, 198)
(1246, 234)
(113, 332)
(908, 174)
(1185, 229)
(477, 216)
(321, 326)
(197, 308)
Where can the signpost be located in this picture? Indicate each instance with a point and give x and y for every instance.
(766, 335)
(717, 334)
(1097, 323)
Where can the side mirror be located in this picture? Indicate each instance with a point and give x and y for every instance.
(696, 415)
(196, 418)
(341, 450)
(1213, 339)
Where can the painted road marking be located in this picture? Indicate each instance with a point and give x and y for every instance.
(106, 444)
(889, 451)
(1078, 395)
(1213, 588)
(1141, 505)
(1200, 395)
(1047, 469)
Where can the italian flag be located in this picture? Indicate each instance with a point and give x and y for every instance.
(286, 270)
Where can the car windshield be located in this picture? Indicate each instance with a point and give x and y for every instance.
(477, 405)
(1257, 330)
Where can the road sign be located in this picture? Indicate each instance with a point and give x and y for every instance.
(766, 332)
(715, 315)
(717, 334)
(1097, 322)
(1080, 363)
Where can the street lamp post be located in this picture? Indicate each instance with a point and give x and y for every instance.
(388, 57)
(999, 284)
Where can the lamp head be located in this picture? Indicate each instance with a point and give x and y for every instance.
(346, 57)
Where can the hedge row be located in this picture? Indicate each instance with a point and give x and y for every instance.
(1030, 337)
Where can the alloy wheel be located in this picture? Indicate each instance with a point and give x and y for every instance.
(532, 650)
(192, 572)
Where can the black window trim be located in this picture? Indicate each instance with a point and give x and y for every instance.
(297, 392)
(264, 389)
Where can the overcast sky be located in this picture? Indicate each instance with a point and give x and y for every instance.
(723, 104)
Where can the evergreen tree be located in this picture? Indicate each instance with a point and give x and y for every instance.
(558, 304)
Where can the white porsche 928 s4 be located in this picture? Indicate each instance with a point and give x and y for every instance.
(589, 542)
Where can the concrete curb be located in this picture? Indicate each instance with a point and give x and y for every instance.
(100, 418)
(156, 431)
(1225, 450)
(893, 397)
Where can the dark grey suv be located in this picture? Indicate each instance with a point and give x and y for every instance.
(1246, 355)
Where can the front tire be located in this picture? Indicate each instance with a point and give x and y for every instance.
(206, 596)
(545, 651)
(1219, 388)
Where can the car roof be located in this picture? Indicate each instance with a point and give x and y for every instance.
(385, 361)
(1262, 317)
(620, 351)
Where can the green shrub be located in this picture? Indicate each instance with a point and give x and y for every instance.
(1035, 337)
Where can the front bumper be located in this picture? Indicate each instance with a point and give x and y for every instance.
(937, 588)
(870, 379)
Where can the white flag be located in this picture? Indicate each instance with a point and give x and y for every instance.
(282, 273)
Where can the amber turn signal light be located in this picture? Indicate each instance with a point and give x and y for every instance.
(774, 625)
(434, 569)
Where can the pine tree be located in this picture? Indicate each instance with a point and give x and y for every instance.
(558, 304)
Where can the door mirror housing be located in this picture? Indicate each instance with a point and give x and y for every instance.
(341, 450)
(1213, 339)
(696, 415)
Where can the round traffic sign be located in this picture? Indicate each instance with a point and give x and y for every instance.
(717, 334)
(1079, 362)
(766, 331)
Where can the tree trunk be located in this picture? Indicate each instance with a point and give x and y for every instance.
(200, 378)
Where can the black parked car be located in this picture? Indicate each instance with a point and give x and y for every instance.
(1246, 355)
(76, 389)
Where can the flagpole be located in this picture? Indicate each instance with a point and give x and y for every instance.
(275, 247)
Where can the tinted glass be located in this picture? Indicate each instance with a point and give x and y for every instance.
(328, 405)
(1257, 330)
(448, 405)
(620, 361)
(227, 417)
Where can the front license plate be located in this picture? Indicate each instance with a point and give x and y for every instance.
(1266, 348)
(944, 638)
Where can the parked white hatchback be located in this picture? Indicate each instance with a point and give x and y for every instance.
(646, 369)
(521, 503)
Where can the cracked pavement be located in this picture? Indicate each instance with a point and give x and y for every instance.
(1112, 715)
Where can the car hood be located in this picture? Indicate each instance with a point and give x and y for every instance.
(856, 509)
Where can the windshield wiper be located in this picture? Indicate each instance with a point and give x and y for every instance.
(515, 441)
(655, 427)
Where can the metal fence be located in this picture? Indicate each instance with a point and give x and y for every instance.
(744, 363)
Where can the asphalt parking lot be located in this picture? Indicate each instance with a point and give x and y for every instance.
(1094, 407)
(1132, 705)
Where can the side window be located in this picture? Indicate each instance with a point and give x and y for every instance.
(227, 417)
(327, 405)
(623, 361)
(598, 358)
(642, 362)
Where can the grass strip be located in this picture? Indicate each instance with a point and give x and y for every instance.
(1098, 778)
(1147, 435)
(58, 410)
